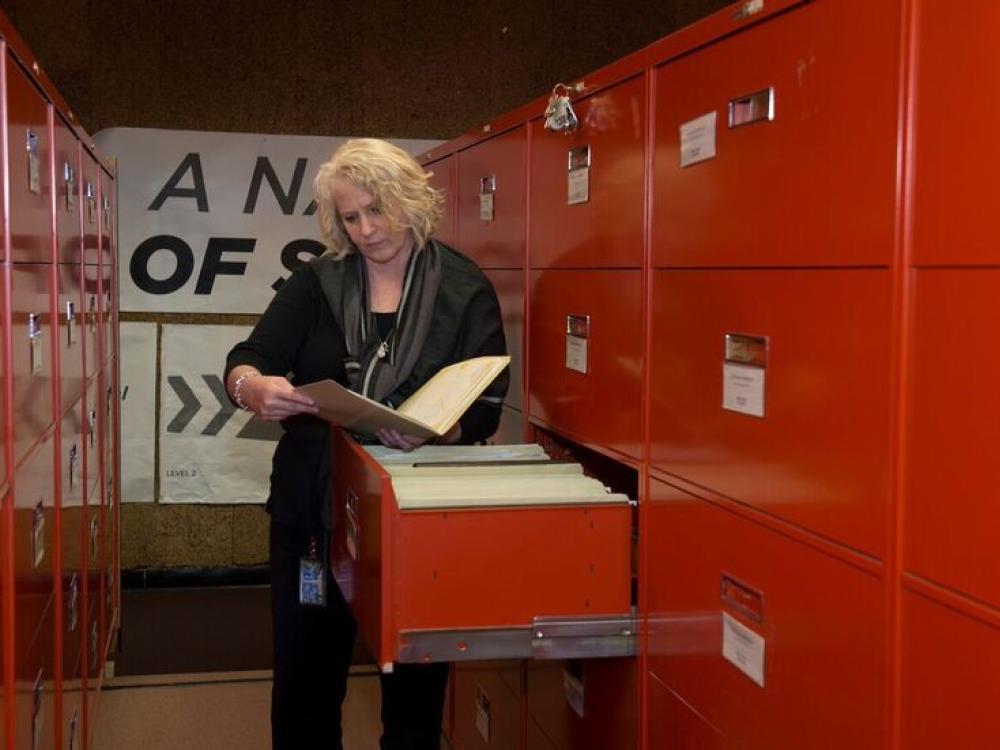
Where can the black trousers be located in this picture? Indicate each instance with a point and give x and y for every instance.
(312, 655)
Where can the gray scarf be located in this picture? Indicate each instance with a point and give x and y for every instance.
(345, 285)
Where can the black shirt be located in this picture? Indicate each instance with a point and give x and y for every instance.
(298, 337)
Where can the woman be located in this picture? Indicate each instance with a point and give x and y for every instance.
(381, 312)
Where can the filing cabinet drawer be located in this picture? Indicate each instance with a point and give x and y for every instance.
(803, 433)
(585, 705)
(491, 200)
(71, 332)
(31, 334)
(599, 407)
(815, 185)
(29, 148)
(942, 646)
(808, 629)
(467, 569)
(951, 510)
(590, 216)
(487, 713)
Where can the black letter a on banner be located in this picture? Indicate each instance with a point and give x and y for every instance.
(170, 190)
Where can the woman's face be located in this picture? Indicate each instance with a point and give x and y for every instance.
(369, 229)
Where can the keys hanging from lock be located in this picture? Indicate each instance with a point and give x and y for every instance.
(559, 114)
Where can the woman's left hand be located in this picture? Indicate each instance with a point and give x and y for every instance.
(396, 439)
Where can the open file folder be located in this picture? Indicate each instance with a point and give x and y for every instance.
(445, 560)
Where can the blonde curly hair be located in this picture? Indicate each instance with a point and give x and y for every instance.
(394, 179)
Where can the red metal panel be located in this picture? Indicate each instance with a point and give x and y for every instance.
(780, 193)
(600, 408)
(108, 291)
(72, 701)
(603, 689)
(606, 230)
(950, 663)
(28, 152)
(822, 620)
(91, 442)
(32, 357)
(951, 511)
(35, 716)
(487, 713)
(672, 724)
(70, 334)
(509, 286)
(69, 243)
(443, 177)
(956, 156)
(454, 569)
(34, 548)
(820, 455)
(72, 535)
(90, 209)
(90, 318)
(494, 238)
(360, 575)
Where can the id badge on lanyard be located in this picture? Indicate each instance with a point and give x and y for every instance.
(312, 577)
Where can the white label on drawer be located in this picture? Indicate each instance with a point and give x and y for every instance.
(486, 206)
(576, 353)
(483, 714)
(743, 389)
(743, 648)
(578, 184)
(698, 139)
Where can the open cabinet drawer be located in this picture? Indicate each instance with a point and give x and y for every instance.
(442, 557)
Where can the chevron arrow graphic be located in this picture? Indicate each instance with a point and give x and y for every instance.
(226, 408)
(190, 405)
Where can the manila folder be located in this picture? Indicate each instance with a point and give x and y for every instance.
(430, 412)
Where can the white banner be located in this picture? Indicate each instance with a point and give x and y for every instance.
(214, 222)
(138, 374)
(210, 451)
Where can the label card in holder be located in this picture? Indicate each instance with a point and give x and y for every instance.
(743, 374)
(35, 342)
(34, 163)
(487, 188)
(483, 714)
(578, 181)
(38, 534)
(577, 336)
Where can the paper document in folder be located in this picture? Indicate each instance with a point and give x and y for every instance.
(430, 412)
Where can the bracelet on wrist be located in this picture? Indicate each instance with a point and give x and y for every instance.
(238, 388)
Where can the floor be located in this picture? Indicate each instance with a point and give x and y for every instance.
(221, 711)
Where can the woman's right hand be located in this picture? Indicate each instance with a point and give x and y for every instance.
(273, 398)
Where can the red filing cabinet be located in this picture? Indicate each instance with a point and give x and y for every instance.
(811, 442)
(587, 187)
(585, 357)
(672, 723)
(768, 639)
(424, 584)
(815, 185)
(491, 200)
(443, 178)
